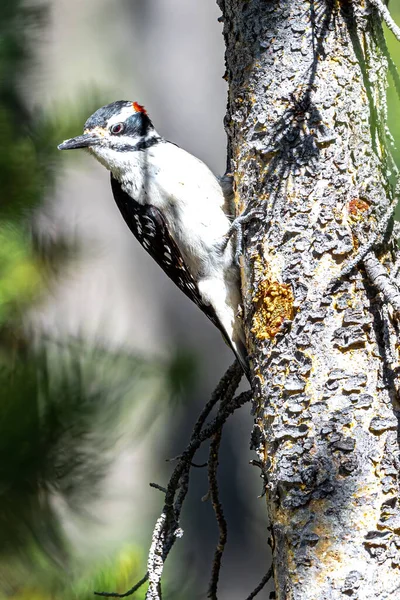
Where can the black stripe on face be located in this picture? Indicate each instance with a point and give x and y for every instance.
(137, 124)
(141, 145)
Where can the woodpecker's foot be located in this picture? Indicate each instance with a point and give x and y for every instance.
(237, 229)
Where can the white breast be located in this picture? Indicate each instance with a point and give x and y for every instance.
(188, 195)
(193, 205)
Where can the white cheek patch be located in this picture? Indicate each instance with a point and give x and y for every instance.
(108, 153)
(124, 140)
(119, 163)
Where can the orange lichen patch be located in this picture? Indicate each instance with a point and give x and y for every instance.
(274, 304)
(357, 207)
(139, 108)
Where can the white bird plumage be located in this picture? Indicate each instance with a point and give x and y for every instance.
(156, 173)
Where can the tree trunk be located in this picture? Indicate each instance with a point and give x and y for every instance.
(307, 143)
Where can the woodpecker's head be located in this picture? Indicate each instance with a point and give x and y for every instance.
(114, 131)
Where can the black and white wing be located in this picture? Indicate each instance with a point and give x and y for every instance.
(148, 226)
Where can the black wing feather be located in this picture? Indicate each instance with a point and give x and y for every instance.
(148, 226)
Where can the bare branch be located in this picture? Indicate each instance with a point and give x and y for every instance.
(227, 388)
(155, 563)
(125, 594)
(167, 529)
(234, 372)
(381, 279)
(262, 583)
(390, 339)
(391, 64)
(214, 494)
(219, 514)
(375, 238)
(387, 17)
(192, 464)
(158, 487)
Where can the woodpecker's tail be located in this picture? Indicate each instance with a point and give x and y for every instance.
(241, 354)
(240, 351)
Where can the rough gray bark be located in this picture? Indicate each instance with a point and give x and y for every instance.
(307, 142)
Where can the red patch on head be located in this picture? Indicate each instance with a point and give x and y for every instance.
(139, 108)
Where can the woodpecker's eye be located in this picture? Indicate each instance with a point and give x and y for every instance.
(117, 128)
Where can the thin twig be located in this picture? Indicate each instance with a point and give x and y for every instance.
(391, 64)
(199, 435)
(262, 583)
(183, 490)
(192, 464)
(219, 514)
(155, 563)
(181, 471)
(387, 17)
(390, 344)
(214, 493)
(125, 594)
(158, 487)
(205, 434)
(234, 370)
(375, 239)
(167, 529)
(180, 475)
(382, 281)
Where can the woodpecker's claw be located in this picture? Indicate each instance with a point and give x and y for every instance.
(237, 229)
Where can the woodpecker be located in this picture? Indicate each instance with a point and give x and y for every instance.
(176, 208)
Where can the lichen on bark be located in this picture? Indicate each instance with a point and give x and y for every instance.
(306, 123)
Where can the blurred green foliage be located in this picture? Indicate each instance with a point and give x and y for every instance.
(21, 181)
(62, 402)
(28, 160)
(114, 574)
(393, 93)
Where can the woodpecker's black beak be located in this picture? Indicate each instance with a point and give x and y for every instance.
(81, 141)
